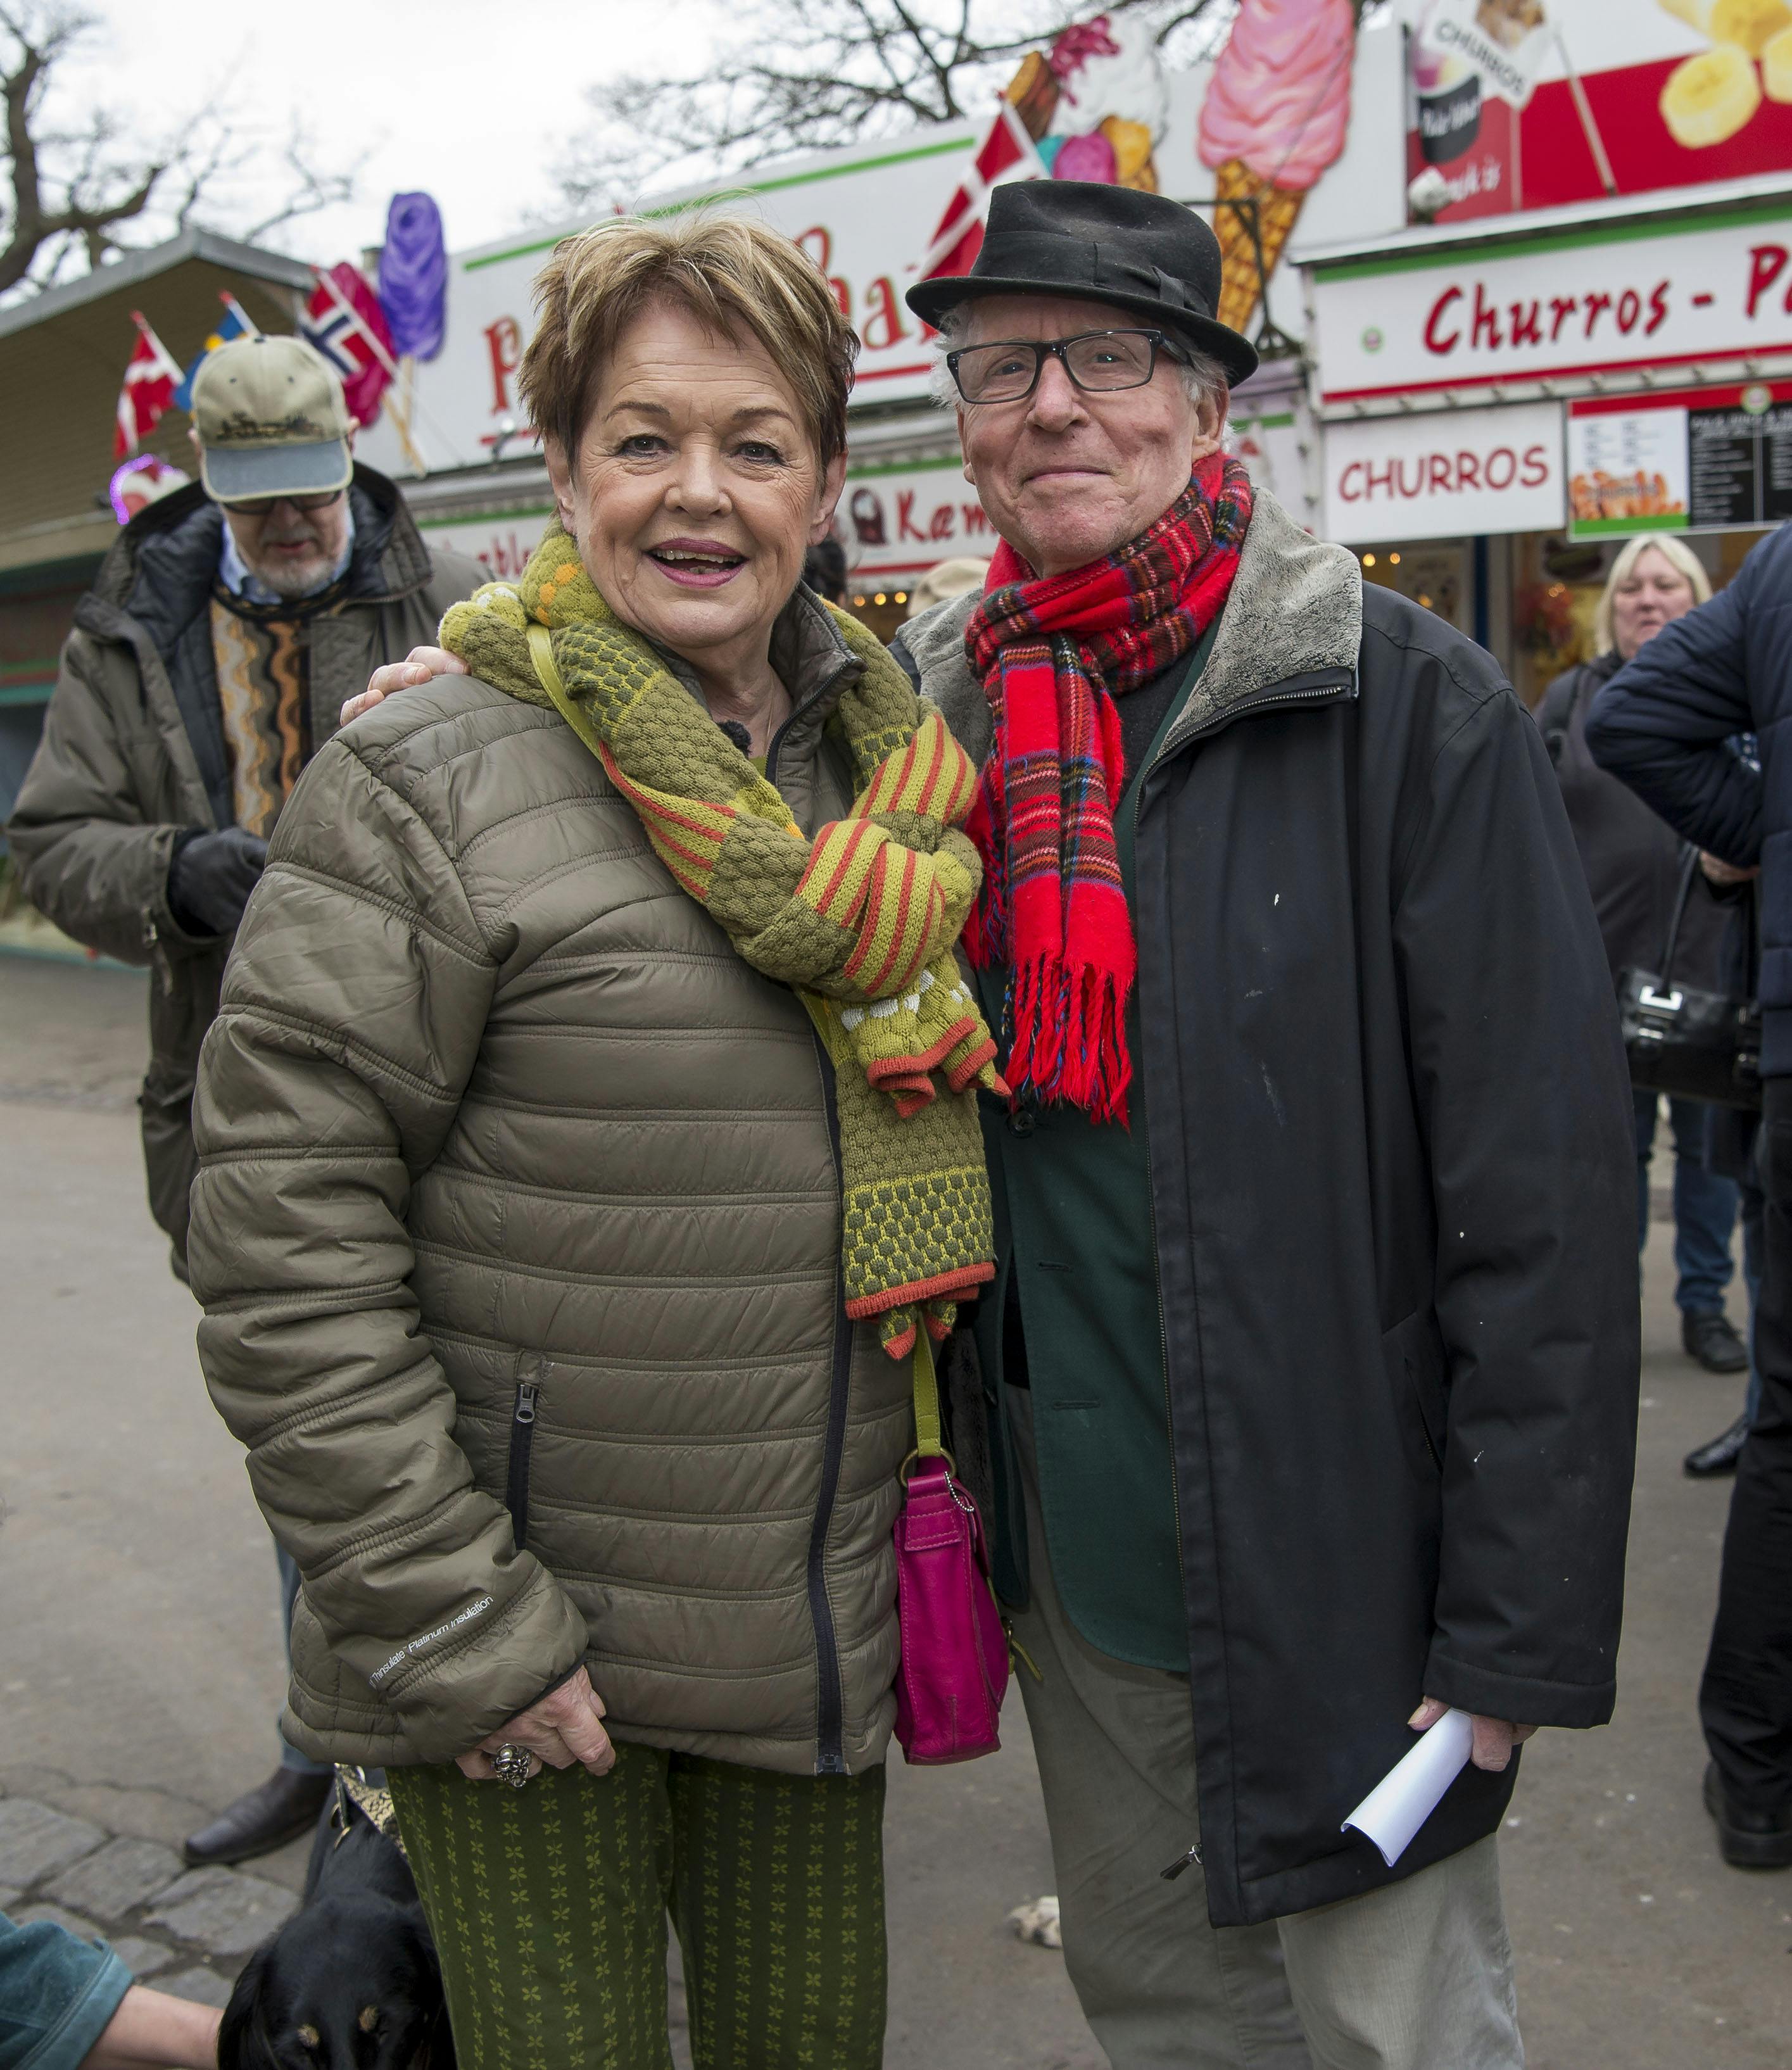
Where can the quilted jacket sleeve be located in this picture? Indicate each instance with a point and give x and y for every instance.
(352, 1015)
(92, 860)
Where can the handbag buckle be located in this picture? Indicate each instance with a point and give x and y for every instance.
(1662, 1002)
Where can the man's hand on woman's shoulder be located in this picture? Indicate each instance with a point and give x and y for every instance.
(417, 667)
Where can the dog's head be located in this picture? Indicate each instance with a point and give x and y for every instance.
(349, 1983)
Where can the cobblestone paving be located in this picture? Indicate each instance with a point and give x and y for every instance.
(191, 1929)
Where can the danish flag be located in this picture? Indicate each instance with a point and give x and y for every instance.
(151, 377)
(1006, 153)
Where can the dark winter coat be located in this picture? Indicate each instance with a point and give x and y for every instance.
(1634, 860)
(133, 756)
(1393, 1162)
(1665, 724)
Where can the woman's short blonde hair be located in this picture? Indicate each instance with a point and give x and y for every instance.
(1672, 550)
(735, 274)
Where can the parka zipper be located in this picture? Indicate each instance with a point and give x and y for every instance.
(1319, 693)
(522, 1438)
(830, 1756)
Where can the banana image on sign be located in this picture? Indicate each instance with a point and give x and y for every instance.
(1709, 98)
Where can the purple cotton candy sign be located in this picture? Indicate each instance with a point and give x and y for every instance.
(413, 275)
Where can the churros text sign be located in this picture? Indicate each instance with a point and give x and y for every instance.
(1444, 474)
(1584, 302)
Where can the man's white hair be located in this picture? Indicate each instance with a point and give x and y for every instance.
(1202, 377)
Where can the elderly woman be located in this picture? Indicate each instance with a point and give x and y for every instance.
(588, 1115)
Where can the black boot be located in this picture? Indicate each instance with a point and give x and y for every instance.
(1749, 1839)
(1712, 1341)
(1719, 1454)
(280, 1809)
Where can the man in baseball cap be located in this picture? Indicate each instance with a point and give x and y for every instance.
(237, 614)
(269, 421)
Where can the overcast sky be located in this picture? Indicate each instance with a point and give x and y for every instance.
(465, 98)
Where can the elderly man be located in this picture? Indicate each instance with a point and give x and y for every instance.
(208, 660)
(1312, 1364)
(1311, 1370)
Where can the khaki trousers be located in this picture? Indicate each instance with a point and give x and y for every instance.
(1417, 1976)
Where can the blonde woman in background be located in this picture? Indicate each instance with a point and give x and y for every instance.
(1632, 861)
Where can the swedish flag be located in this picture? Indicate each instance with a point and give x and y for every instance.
(236, 325)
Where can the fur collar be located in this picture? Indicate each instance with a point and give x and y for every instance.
(1296, 606)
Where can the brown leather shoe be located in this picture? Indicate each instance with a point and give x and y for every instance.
(282, 1808)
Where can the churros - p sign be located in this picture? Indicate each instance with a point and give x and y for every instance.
(1563, 306)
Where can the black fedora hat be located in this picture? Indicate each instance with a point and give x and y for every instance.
(1135, 251)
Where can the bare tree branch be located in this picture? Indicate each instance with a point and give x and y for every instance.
(807, 75)
(81, 179)
(309, 187)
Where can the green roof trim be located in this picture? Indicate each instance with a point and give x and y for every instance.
(1774, 208)
(484, 517)
(724, 193)
(903, 467)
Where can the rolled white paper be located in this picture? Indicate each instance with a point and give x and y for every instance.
(1407, 1795)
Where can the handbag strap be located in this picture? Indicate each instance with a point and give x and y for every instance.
(547, 669)
(1688, 870)
(928, 1442)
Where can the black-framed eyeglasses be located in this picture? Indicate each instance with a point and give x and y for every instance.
(259, 506)
(1098, 361)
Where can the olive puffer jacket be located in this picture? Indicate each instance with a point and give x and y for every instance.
(518, 1227)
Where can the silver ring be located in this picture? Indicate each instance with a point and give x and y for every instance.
(510, 1764)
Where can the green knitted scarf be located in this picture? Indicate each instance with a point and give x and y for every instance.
(860, 920)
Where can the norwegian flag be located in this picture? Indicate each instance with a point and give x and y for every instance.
(1006, 153)
(344, 320)
(151, 377)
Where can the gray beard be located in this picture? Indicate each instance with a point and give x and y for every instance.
(292, 584)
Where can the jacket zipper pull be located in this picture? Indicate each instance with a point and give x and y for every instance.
(1188, 1861)
(526, 1393)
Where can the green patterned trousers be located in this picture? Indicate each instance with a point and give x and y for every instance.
(549, 1903)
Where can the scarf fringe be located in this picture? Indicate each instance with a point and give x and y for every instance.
(1070, 1037)
(1053, 654)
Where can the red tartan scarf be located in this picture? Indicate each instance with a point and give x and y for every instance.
(1053, 654)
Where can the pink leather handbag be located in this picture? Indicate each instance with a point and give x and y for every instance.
(954, 1671)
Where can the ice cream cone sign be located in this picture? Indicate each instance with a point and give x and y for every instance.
(1097, 104)
(1275, 117)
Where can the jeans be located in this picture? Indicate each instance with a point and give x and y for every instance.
(1745, 1699)
(1704, 1205)
(301, 1763)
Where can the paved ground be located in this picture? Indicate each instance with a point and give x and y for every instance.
(139, 1666)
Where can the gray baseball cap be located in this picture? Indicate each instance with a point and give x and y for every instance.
(271, 420)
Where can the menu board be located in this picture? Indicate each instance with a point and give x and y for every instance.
(1742, 465)
(1711, 459)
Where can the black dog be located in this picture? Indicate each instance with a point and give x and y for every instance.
(351, 1981)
